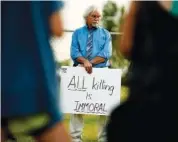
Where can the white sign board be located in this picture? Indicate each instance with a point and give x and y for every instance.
(82, 93)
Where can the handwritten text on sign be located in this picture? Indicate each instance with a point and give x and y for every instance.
(82, 93)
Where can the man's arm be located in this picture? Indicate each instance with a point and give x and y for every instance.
(77, 56)
(105, 53)
(97, 60)
(81, 60)
(86, 64)
(75, 51)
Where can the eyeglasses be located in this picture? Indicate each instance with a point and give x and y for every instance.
(96, 16)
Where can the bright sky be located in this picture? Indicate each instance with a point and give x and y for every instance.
(73, 19)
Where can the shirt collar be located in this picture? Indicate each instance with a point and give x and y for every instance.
(94, 28)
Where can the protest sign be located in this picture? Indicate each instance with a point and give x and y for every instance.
(82, 93)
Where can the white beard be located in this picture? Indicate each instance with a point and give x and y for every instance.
(95, 25)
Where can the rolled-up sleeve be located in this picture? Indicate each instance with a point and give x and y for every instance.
(106, 51)
(75, 51)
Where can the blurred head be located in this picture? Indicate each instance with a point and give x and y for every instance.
(92, 16)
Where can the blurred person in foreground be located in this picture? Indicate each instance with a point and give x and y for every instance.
(90, 48)
(150, 41)
(30, 105)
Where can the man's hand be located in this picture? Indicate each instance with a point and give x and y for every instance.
(88, 66)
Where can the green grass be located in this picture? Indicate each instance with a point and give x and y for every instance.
(90, 123)
(90, 127)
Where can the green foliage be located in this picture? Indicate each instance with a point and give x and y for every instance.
(109, 11)
(112, 19)
(64, 63)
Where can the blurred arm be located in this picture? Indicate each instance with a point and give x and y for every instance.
(127, 28)
(56, 24)
(57, 133)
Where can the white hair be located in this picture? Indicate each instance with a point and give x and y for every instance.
(91, 9)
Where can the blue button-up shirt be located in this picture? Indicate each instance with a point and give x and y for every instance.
(102, 46)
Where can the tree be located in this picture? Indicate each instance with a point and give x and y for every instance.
(112, 19)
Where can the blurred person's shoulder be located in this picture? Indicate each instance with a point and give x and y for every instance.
(169, 6)
(166, 5)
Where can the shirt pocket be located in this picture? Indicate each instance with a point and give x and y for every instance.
(101, 41)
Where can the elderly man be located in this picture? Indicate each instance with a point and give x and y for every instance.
(91, 47)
